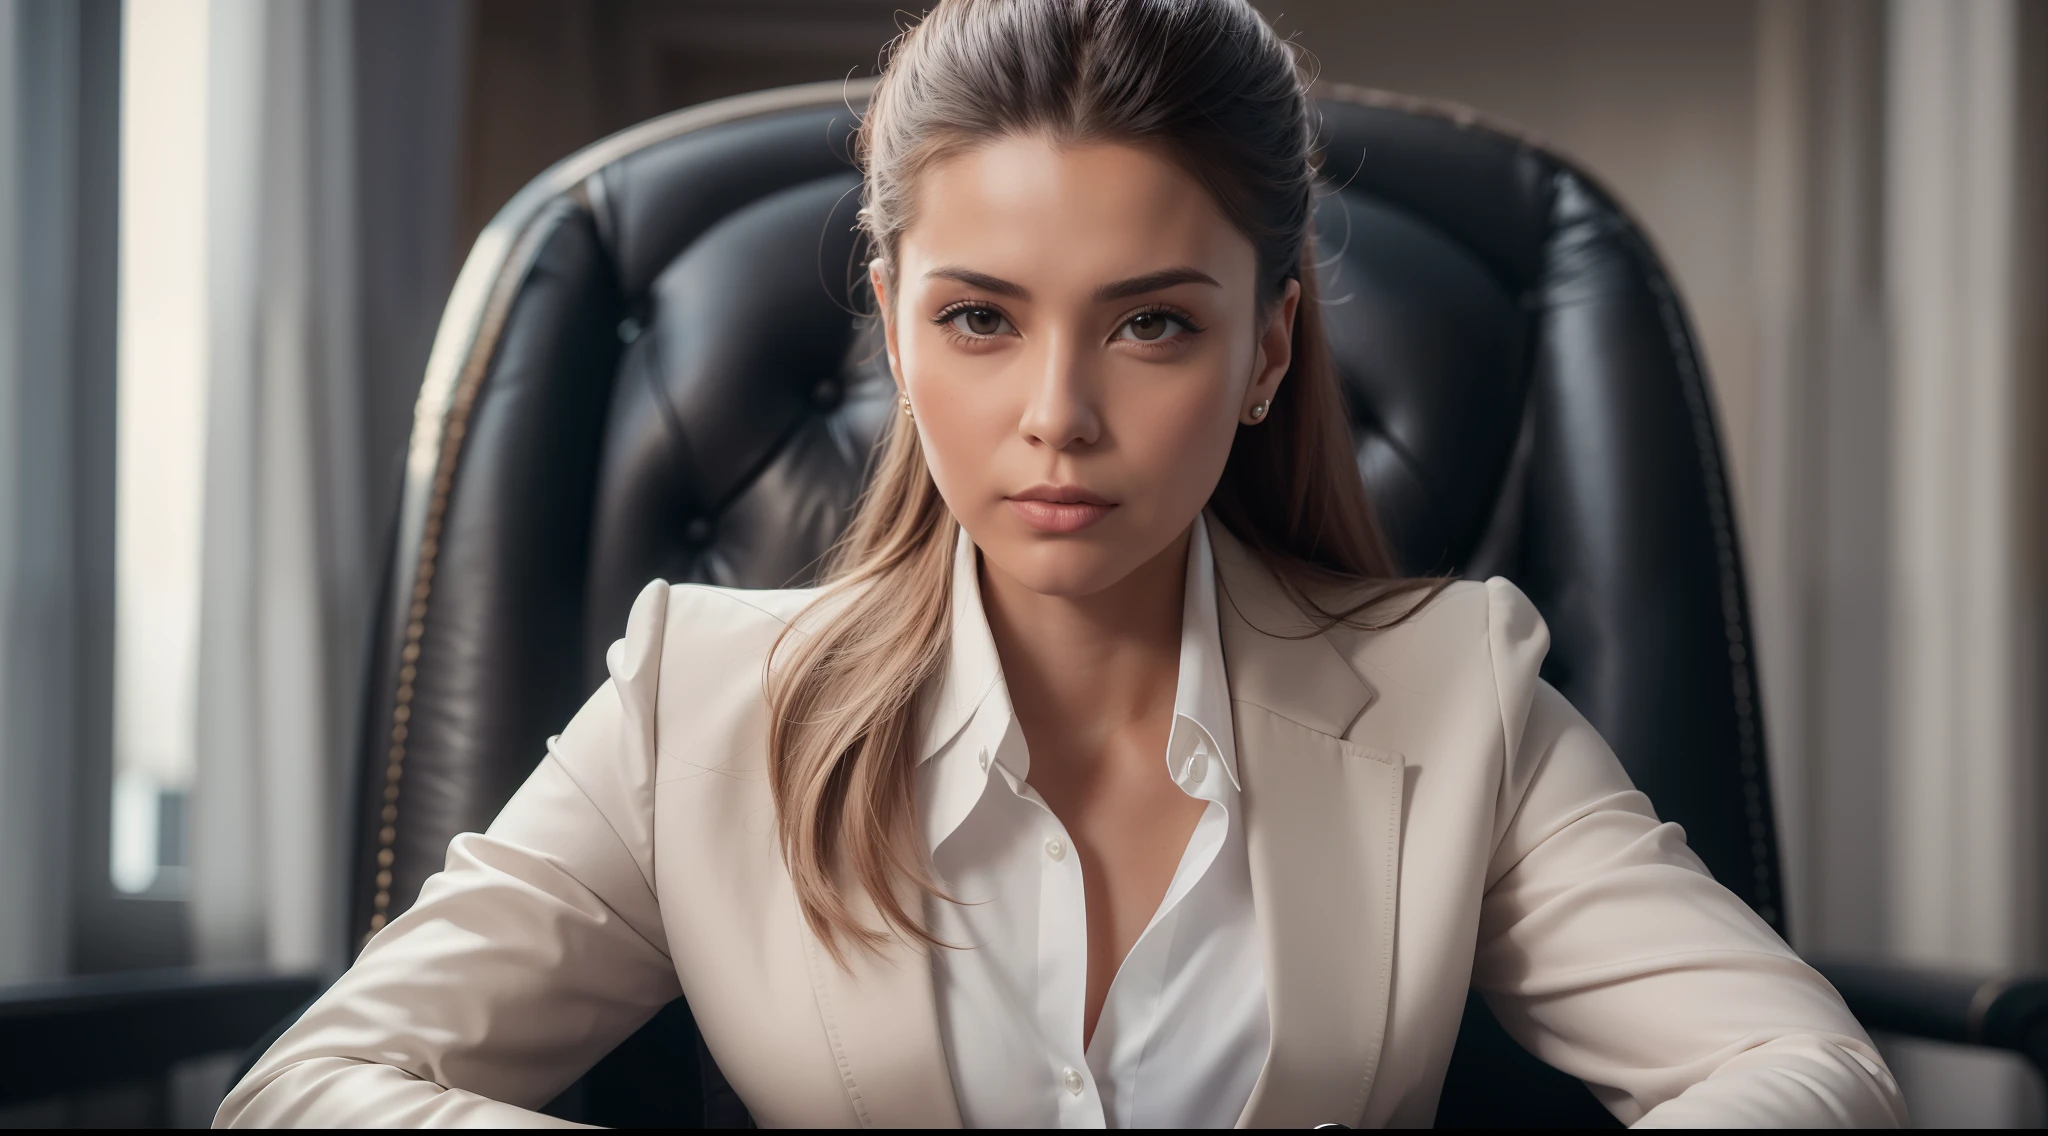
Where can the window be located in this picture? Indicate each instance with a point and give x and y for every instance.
(160, 440)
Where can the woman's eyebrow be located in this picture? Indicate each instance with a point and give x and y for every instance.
(981, 280)
(1153, 282)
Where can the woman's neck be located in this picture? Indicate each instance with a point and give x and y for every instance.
(1083, 670)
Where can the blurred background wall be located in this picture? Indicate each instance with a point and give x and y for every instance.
(1849, 193)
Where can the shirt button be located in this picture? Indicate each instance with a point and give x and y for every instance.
(1057, 849)
(1072, 1080)
(984, 761)
(1198, 768)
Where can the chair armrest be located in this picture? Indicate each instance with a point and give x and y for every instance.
(76, 1033)
(2000, 1012)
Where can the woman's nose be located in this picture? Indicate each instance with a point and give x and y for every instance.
(1060, 409)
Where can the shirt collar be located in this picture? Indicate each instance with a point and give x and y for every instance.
(1202, 695)
(973, 671)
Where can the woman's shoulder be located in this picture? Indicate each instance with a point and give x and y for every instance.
(1492, 612)
(688, 687)
(1440, 609)
(708, 615)
(779, 606)
(699, 641)
(1425, 638)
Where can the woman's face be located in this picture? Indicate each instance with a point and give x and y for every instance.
(1079, 334)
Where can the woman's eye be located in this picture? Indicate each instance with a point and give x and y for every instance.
(1151, 327)
(979, 322)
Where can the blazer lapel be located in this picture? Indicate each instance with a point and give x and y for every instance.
(883, 1025)
(1323, 833)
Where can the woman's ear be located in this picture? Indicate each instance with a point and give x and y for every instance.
(1275, 354)
(878, 280)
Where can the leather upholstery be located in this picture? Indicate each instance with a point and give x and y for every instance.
(658, 372)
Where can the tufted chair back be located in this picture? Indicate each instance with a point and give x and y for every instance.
(650, 366)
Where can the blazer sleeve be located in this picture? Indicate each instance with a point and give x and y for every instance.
(1606, 949)
(536, 950)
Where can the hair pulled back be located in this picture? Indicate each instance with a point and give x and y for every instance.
(1208, 86)
(1204, 81)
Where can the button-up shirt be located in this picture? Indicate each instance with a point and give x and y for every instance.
(1183, 1032)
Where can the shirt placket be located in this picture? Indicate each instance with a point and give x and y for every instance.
(1135, 997)
(1062, 967)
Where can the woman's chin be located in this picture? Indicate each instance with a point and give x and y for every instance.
(1069, 565)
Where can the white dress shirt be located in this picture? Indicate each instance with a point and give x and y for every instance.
(1183, 1032)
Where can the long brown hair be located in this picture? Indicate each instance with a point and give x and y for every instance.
(1207, 84)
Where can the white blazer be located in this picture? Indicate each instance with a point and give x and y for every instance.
(1423, 814)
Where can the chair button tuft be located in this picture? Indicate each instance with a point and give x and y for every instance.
(697, 532)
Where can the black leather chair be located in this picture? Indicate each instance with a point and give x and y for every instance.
(651, 367)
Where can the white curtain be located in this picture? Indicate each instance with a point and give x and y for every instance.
(1898, 600)
(284, 562)
(1966, 598)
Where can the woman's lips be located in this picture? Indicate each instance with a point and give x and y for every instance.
(1059, 516)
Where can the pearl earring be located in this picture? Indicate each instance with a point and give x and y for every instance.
(907, 412)
(1259, 410)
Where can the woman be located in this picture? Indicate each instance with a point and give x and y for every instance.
(1112, 779)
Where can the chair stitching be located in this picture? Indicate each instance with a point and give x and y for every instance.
(476, 368)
